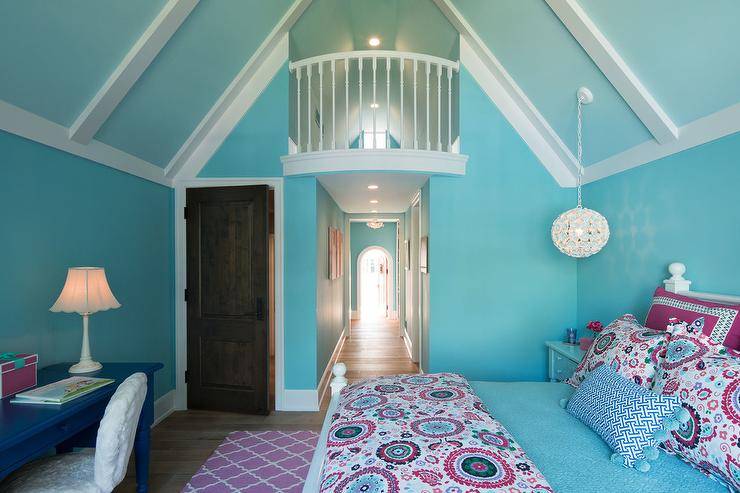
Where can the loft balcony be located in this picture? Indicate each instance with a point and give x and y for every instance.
(374, 110)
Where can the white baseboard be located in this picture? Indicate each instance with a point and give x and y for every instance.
(309, 399)
(300, 400)
(407, 343)
(326, 376)
(163, 407)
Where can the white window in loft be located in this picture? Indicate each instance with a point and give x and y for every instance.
(380, 140)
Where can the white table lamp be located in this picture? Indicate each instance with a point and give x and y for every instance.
(85, 291)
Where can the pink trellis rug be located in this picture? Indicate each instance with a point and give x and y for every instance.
(257, 462)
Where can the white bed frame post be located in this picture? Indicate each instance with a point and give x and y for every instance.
(339, 381)
(676, 283)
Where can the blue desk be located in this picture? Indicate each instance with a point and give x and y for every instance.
(27, 431)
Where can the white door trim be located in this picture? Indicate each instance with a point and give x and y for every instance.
(181, 348)
(417, 345)
(359, 274)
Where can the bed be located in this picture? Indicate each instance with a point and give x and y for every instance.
(571, 457)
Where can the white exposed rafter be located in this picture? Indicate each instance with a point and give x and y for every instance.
(493, 78)
(30, 126)
(236, 100)
(603, 54)
(711, 127)
(130, 69)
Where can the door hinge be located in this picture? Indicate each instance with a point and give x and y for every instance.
(186, 295)
(185, 213)
(187, 376)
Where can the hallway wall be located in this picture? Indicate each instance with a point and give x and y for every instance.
(362, 237)
(329, 292)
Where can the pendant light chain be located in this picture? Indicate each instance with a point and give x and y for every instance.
(580, 149)
(580, 232)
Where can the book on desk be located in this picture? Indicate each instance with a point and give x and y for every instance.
(61, 392)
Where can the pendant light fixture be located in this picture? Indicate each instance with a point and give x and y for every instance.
(580, 232)
(375, 224)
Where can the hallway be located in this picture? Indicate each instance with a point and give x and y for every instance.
(375, 349)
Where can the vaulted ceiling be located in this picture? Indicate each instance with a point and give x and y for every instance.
(684, 54)
(143, 85)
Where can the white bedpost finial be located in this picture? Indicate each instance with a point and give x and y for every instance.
(676, 283)
(339, 381)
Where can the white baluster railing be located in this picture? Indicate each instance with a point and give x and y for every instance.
(390, 118)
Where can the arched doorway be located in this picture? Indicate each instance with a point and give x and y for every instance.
(375, 296)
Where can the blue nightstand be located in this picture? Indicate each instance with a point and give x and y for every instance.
(562, 360)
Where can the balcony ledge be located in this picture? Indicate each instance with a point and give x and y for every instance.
(384, 160)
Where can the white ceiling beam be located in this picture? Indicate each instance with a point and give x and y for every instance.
(613, 66)
(376, 160)
(516, 107)
(136, 61)
(712, 127)
(236, 100)
(30, 126)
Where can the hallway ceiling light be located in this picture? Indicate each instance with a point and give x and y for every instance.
(374, 201)
(374, 41)
(374, 106)
(372, 187)
(375, 224)
(374, 211)
(580, 232)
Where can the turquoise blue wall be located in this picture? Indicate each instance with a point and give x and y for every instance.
(362, 237)
(300, 282)
(499, 288)
(254, 147)
(63, 211)
(329, 293)
(684, 208)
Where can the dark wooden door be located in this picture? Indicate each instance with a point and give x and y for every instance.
(227, 298)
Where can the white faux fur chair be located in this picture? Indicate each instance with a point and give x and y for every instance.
(83, 472)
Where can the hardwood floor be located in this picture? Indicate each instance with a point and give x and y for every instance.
(375, 348)
(185, 439)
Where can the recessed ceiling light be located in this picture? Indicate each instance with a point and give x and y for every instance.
(372, 187)
(374, 211)
(373, 201)
(374, 106)
(374, 41)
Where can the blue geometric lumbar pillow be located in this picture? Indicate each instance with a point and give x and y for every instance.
(630, 418)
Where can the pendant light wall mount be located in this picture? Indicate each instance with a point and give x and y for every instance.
(580, 232)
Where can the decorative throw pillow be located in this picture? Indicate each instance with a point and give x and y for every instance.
(630, 418)
(721, 322)
(706, 378)
(630, 348)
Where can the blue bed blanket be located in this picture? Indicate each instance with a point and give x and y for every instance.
(572, 457)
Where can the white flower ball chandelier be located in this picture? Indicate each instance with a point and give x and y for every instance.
(375, 224)
(580, 232)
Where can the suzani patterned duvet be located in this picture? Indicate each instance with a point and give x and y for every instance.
(422, 433)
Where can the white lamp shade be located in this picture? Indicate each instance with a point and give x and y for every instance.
(86, 290)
